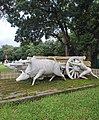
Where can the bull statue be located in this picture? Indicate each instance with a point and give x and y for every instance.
(38, 67)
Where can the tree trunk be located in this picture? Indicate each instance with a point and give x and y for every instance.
(66, 49)
(93, 56)
(66, 39)
(65, 36)
(93, 60)
(66, 45)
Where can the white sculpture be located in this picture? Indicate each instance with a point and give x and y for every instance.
(77, 69)
(35, 67)
(17, 65)
(38, 67)
(9, 65)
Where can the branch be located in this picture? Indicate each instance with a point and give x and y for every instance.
(54, 3)
(55, 35)
(66, 30)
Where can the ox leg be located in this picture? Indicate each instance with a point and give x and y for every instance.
(52, 78)
(40, 73)
(63, 76)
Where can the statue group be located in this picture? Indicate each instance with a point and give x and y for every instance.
(35, 68)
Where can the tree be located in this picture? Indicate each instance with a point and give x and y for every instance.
(85, 25)
(7, 52)
(47, 48)
(1, 55)
(36, 18)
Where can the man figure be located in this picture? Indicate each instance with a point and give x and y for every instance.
(84, 69)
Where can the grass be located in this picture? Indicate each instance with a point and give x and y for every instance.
(81, 105)
(3, 68)
(10, 86)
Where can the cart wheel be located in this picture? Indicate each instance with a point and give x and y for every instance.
(72, 70)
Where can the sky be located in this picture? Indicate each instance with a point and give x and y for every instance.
(7, 34)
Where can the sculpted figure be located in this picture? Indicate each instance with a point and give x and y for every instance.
(9, 65)
(83, 69)
(17, 65)
(38, 67)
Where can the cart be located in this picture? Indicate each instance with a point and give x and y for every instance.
(68, 65)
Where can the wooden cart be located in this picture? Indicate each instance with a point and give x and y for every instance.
(73, 71)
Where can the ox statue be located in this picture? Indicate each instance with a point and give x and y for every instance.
(38, 67)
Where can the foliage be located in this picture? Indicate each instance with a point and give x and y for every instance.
(82, 45)
(1, 54)
(58, 107)
(85, 25)
(47, 48)
(6, 51)
(35, 18)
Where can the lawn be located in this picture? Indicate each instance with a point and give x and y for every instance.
(81, 105)
(10, 86)
(3, 68)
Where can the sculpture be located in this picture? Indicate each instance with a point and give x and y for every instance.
(9, 65)
(38, 67)
(17, 65)
(80, 69)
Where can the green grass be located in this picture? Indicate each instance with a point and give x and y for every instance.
(9, 86)
(81, 105)
(3, 68)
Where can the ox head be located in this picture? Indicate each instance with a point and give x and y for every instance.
(23, 76)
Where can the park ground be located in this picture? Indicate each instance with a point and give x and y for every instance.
(80, 105)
